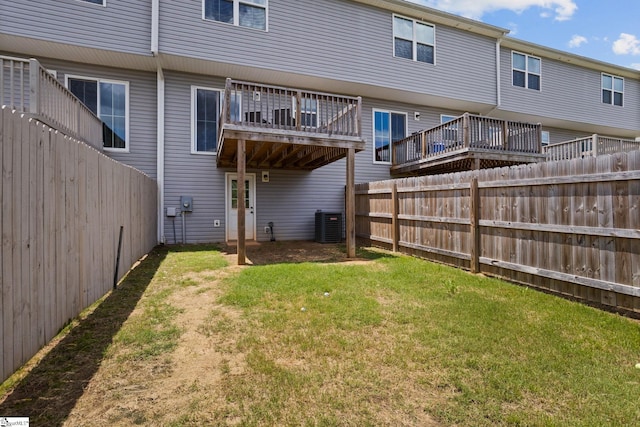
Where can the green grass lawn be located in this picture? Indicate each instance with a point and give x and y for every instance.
(400, 338)
(386, 340)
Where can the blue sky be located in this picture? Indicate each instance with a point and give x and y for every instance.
(605, 30)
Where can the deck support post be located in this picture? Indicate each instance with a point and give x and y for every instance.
(351, 204)
(465, 131)
(241, 208)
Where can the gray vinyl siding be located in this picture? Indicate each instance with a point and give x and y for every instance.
(569, 92)
(123, 25)
(561, 135)
(290, 198)
(189, 174)
(142, 140)
(335, 39)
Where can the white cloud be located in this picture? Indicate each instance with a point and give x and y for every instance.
(562, 9)
(627, 44)
(577, 40)
(636, 66)
(513, 27)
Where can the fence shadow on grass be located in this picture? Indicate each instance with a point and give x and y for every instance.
(48, 393)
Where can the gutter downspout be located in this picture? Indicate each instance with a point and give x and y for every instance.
(498, 102)
(155, 21)
(160, 152)
(498, 78)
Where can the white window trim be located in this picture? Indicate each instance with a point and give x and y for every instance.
(373, 126)
(526, 71)
(236, 14)
(194, 106)
(104, 3)
(613, 91)
(414, 41)
(127, 137)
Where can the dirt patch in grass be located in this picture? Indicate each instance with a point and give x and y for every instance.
(101, 385)
(265, 253)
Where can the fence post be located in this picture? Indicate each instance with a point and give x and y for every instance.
(474, 219)
(34, 86)
(595, 148)
(395, 226)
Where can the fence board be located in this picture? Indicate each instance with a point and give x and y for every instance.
(60, 216)
(7, 243)
(568, 226)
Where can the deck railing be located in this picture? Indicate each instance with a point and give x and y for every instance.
(590, 146)
(256, 105)
(468, 132)
(28, 87)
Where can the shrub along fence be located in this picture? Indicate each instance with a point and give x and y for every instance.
(63, 204)
(571, 227)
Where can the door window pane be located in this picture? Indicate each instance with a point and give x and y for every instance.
(234, 194)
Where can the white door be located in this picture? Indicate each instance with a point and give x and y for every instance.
(249, 197)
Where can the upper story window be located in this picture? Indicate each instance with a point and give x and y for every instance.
(109, 100)
(388, 127)
(526, 70)
(243, 13)
(413, 40)
(100, 2)
(612, 89)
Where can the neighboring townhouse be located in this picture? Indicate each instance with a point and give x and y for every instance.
(155, 71)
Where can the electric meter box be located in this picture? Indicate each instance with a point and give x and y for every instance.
(186, 203)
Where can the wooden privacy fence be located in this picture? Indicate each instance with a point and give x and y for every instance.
(571, 227)
(63, 204)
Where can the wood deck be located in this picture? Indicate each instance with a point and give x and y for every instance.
(466, 143)
(286, 128)
(271, 127)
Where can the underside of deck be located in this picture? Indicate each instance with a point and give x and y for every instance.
(283, 149)
(464, 159)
